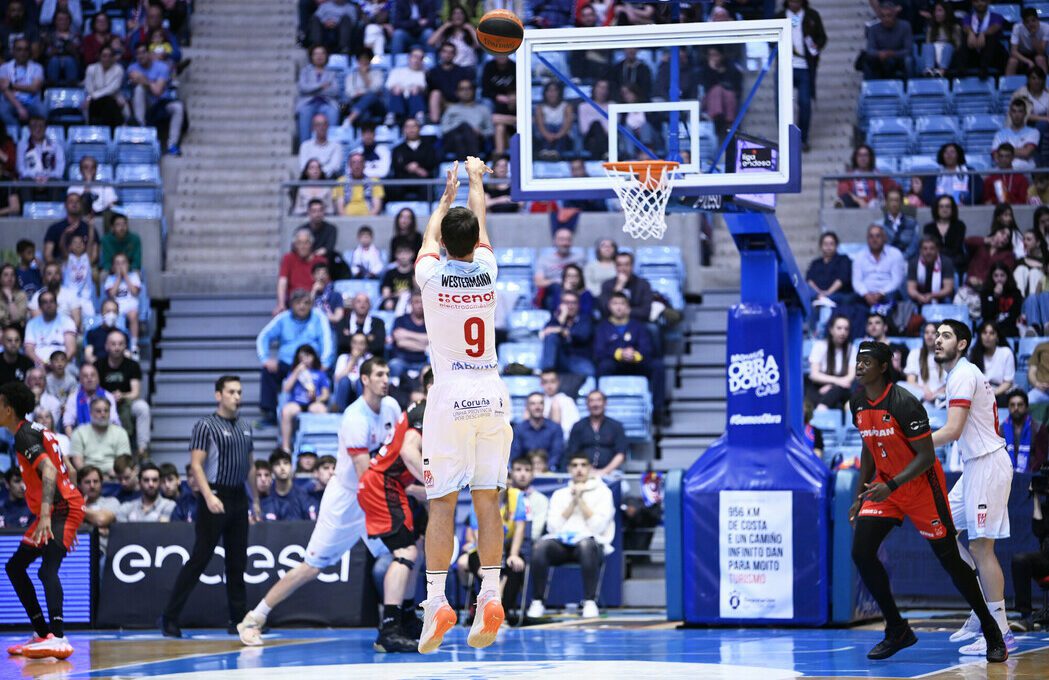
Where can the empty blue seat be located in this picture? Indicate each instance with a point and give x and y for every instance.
(139, 173)
(143, 211)
(972, 95)
(524, 353)
(980, 129)
(1007, 85)
(43, 209)
(937, 313)
(1011, 13)
(671, 290)
(880, 98)
(525, 324)
(928, 96)
(662, 261)
(551, 169)
(65, 105)
(890, 136)
(136, 145)
(932, 132)
(348, 288)
(88, 140)
(918, 164)
(517, 294)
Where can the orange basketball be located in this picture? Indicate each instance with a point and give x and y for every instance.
(500, 31)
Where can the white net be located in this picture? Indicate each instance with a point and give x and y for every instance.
(643, 192)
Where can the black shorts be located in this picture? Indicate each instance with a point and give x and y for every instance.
(402, 538)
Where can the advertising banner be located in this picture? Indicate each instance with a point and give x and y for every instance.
(757, 554)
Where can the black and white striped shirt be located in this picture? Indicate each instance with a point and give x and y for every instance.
(228, 445)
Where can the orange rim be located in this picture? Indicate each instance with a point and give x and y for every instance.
(648, 172)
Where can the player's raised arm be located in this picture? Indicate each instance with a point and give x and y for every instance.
(432, 237)
(476, 170)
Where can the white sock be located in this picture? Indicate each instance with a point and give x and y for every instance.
(999, 614)
(435, 584)
(262, 610)
(490, 579)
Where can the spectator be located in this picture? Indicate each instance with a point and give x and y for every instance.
(39, 158)
(831, 367)
(376, 156)
(99, 511)
(567, 339)
(900, 228)
(186, 505)
(62, 50)
(366, 260)
(97, 38)
(16, 514)
(398, 280)
(332, 26)
(99, 441)
(643, 126)
(94, 197)
(878, 272)
(993, 356)
(322, 474)
(1036, 97)
(1026, 439)
(10, 201)
(877, 328)
(121, 240)
(324, 233)
(499, 85)
(13, 364)
(321, 148)
(170, 484)
(1004, 186)
(36, 381)
(415, 158)
(284, 501)
(465, 124)
(154, 21)
(77, 274)
(1038, 192)
(28, 269)
(300, 325)
(413, 23)
(1023, 139)
(406, 91)
(558, 13)
(126, 474)
(150, 506)
(318, 92)
(325, 297)
(307, 389)
(948, 230)
(302, 196)
(77, 409)
(863, 192)
(522, 472)
(408, 353)
(95, 339)
(296, 268)
(16, 25)
(631, 71)
(364, 88)
(981, 50)
(603, 267)
(830, 274)
(497, 189)
(580, 528)
(952, 180)
(46, 418)
(123, 286)
(536, 432)
(889, 44)
(460, 33)
(1029, 273)
(551, 264)
(13, 301)
(554, 120)
(153, 100)
(930, 278)
(538, 460)
(22, 82)
(1028, 44)
(357, 194)
(56, 241)
(593, 127)
(624, 346)
(1038, 374)
(571, 281)
(405, 233)
(1001, 302)
(62, 378)
(49, 331)
(943, 37)
(361, 320)
(347, 378)
(600, 438)
(443, 82)
(558, 406)
(986, 253)
(636, 289)
(121, 376)
(924, 374)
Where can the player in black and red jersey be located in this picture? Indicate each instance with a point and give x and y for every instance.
(900, 476)
(382, 494)
(59, 509)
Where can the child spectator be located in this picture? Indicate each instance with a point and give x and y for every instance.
(61, 376)
(122, 286)
(323, 471)
(1004, 187)
(77, 272)
(307, 388)
(28, 269)
(366, 260)
(397, 281)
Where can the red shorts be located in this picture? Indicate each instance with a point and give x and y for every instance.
(385, 504)
(64, 524)
(923, 500)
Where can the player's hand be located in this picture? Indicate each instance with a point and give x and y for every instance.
(475, 167)
(515, 563)
(256, 513)
(876, 492)
(214, 504)
(451, 184)
(42, 534)
(854, 510)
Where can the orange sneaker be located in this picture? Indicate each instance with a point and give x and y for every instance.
(16, 649)
(438, 619)
(51, 647)
(487, 620)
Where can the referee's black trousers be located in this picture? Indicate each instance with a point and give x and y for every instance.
(232, 527)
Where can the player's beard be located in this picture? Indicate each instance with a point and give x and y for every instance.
(947, 357)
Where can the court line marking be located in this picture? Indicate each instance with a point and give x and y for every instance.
(976, 661)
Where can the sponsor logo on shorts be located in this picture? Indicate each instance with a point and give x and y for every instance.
(867, 510)
(981, 516)
(427, 479)
(938, 532)
(471, 409)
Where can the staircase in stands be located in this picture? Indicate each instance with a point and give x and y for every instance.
(240, 94)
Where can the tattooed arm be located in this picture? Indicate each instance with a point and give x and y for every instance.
(48, 474)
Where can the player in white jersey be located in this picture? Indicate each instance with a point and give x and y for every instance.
(467, 419)
(366, 423)
(980, 498)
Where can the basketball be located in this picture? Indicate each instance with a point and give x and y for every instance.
(500, 31)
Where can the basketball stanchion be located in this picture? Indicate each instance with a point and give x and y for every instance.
(643, 188)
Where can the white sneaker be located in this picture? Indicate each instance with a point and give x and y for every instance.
(51, 647)
(969, 630)
(438, 619)
(536, 610)
(250, 629)
(16, 649)
(590, 610)
(979, 646)
(487, 620)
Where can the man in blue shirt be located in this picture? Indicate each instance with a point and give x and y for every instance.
(409, 339)
(567, 339)
(186, 505)
(14, 512)
(623, 346)
(284, 501)
(536, 433)
(1026, 440)
(21, 82)
(153, 101)
(602, 439)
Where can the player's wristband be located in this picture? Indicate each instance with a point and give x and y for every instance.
(892, 484)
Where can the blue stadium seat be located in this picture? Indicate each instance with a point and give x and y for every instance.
(41, 209)
(103, 174)
(932, 132)
(630, 402)
(65, 105)
(890, 136)
(525, 324)
(937, 313)
(13, 132)
(339, 77)
(142, 211)
(88, 140)
(660, 261)
(1041, 8)
(671, 290)
(972, 95)
(980, 129)
(119, 26)
(1011, 13)
(420, 208)
(520, 386)
(979, 161)
(56, 133)
(887, 164)
(516, 264)
(139, 172)
(320, 430)
(350, 287)
(519, 292)
(387, 316)
(524, 353)
(1025, 348)
(918, 164)
(136, 145)
(339, 62)
(851, 248)
(551, 169)
(881, 98)
(929, 96)
(828, 422)
(1007, 85)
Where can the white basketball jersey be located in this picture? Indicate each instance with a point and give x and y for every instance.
(361, 433)
(967, 386)
(459, 305)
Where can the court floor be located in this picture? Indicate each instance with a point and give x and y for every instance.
(608, 649)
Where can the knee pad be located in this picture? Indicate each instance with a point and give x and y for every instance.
(406, 562)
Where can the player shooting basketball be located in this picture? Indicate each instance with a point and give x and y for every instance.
(467, 420)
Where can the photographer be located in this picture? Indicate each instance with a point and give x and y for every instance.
(1032, 565)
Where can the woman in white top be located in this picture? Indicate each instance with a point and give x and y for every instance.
(461, 33)
(831, 367)
(553, 122)
(1030, 270)
(602, 267)
(301, 196)
(1037, 99)
(995, 358)
(364, 91)
(102, 88)
(922, 371)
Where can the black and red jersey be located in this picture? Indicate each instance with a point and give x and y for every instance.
(33, 443)
(387, 461)
(889, 425)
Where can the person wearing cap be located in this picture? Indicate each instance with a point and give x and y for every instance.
(900, 476)
(306, 460)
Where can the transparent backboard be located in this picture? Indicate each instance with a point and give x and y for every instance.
(590, 95)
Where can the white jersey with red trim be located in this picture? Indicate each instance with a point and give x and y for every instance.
(459, 304)
(362, 433)
(968, 387)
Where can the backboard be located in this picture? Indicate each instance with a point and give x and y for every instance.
(619, 91)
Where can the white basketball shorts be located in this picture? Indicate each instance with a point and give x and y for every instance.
(340, 524)
(980, 498)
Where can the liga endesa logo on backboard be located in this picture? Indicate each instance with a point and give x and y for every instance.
(753, 371)
(756, 159)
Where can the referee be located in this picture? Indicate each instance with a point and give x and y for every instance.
(221, 461)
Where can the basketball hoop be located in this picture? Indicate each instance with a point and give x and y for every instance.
(643, 188)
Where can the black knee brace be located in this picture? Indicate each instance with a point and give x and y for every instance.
(406, 562)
